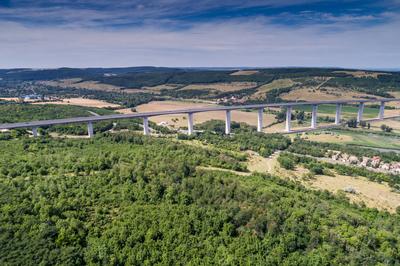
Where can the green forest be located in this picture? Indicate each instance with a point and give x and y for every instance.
(129, 199)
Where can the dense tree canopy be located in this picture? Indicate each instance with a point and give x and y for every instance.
(127, 199)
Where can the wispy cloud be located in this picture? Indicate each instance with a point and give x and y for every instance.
(86, 33)
(105, 13)
(232, 43)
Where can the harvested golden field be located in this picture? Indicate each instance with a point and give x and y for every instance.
(11, 99)
(362, 74)
(394, 112)
(276, 84)
(244, 72)
(181, 120)
(395, 94)
(280, 127)
(222, 87)
(309, 94)
(81, 102)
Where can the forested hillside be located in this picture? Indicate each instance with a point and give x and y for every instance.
(12, 113)
(134, 86)
(127, 199)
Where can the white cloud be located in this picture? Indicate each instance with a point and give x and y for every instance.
(230, 43)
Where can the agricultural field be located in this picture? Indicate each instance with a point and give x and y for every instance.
(348, 111)
(81, 102)
(327, 94)
(221, 87)
(134, 86)
(357, 138)
(244, 73)
(177, 121)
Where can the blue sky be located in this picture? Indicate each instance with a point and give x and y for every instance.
(83, 33)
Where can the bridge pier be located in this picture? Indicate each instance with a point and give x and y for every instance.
(228, 122)
(190, 123)
(35, 132)
(260, 120)
(90, 129)
(381, 111)
(338, 114)
(314, 116)
(35, 125)
(288, 118)
(360, 112)
(146, 130)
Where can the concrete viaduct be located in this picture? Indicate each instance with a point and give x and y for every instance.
(34, 125)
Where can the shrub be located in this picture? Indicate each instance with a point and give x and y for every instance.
(286, 162)
(386, 128)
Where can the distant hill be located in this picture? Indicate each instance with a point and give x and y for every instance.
(225, 85)
(26, 74)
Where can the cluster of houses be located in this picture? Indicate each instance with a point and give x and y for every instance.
(231, 99)
(31, 97)
(374, 162)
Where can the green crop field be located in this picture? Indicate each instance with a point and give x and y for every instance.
(372, 140)
(348, 111)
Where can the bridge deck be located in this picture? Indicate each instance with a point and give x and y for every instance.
(32, 124)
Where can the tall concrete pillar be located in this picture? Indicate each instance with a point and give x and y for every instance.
(314, 116)
(288, 118)
(90, 129)
(228, 122)
(34, 132)
(338, 114)
(260, 120)
(381, 111)
(146, 126)
(360, 112)
(190, 123)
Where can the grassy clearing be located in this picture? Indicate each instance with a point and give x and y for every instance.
(347, 110)
(359, 138)
(374, 140)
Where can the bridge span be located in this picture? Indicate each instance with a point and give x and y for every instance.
(34, 125)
